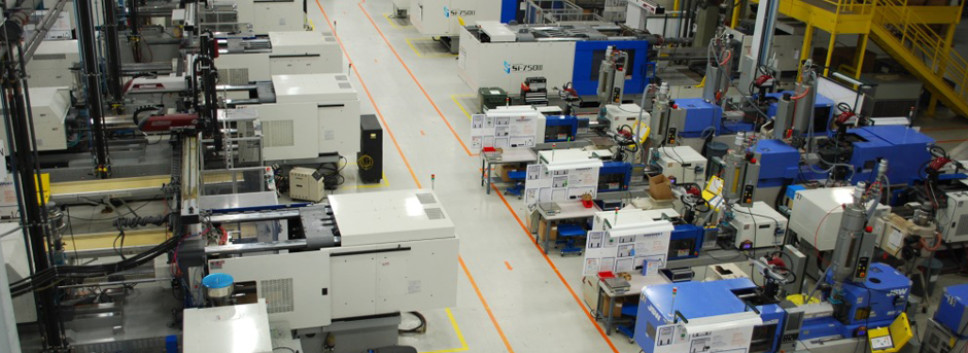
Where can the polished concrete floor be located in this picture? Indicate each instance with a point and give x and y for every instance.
(511, 297)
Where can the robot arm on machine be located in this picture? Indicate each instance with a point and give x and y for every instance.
(775, 273)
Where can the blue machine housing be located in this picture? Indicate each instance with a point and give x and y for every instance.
(700, 115)
(614, 176)
(509, 10)
(778, 162)
(686, 241)
(732, 127)
(953, 311)
(560, 128)
(823, 108)
(588, 59)
(697, 300)
(884, 295)
(905, 149)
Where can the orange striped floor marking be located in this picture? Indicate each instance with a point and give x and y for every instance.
(416, 181)
(415, 80)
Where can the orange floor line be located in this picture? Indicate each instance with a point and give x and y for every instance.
(368, 95)
(487, 308)
(558, 273)
(412, 76)
(416, 181)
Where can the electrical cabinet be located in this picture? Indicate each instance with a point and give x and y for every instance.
(51, 64)
(49, 106)
(337, 108)
(954, 219)
(272, 15)
(288, 53)
(816, 214)
(306, 184)
(758, 226)
(682, 163)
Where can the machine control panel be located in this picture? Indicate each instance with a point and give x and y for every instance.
(746, 199)
(671, 136)
(861, 271)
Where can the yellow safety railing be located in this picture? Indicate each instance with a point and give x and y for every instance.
(923, 42)
(850, 7)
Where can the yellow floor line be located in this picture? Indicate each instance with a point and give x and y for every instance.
(392, 24)
(460, 336)
(454, 97)
(422, 55)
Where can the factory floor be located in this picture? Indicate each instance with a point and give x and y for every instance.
(511, 297)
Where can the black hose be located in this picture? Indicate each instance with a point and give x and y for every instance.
(142, 109)
(420, 328)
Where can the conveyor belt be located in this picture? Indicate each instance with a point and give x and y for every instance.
(120, 188)
(99, 241)
(123, 187)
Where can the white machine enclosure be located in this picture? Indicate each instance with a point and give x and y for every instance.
(442, 18)
(809, 218)
(337, 108)
(49, 106)
(242, 328)
(640, 14)
(508, 64)
(682, 163)
(405, 241)
(289, 131)
(16, 268)
(619, 115)
(293, 285)
(51, 64)
(954, 219)
(786, 46)
(301, 52)
(759, 226)
(272, 15)
(398, 253)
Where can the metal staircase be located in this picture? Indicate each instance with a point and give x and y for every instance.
(922, 51)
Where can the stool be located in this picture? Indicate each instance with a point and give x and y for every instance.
(629, 310)
(570, 233)
(517, 178)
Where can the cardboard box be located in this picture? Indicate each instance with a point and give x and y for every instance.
(660, 188)
(542, 224)
(590, 293)
(616, 310)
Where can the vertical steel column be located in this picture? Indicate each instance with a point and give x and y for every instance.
(85, 32)
(15, 106)
(113, 59)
